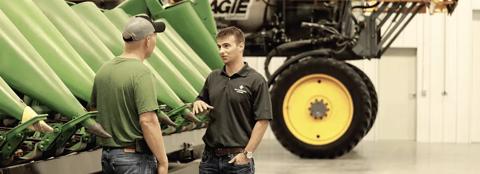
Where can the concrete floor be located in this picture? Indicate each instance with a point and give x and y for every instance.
(384, 157)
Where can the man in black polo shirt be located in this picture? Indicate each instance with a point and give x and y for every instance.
(240, 109)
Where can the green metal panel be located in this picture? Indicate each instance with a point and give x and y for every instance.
(14, 107)
(130, 6)
(72, 27)
(201, 7)
(100, 25)
(173, 36)
(116, 16)
(165, 93)
(134, 6)
(25, 70)
(169, 49)
(204, 11)
(51, 45)
(9, 101)
(187, 23)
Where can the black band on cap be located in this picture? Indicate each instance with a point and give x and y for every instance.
(145, 17)
(127, 39)
(158, 26)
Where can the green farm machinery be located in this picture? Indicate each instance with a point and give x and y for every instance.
(51, 49)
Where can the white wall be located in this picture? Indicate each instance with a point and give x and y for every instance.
(476, 5)
(475, 124)
(445, 112)
(447, 76)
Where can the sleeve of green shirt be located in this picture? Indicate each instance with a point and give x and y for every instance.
(262, 105)
(145, 94)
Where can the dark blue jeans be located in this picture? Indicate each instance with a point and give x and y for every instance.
(212, 164)
(116, 161)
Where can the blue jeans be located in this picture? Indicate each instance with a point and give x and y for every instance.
(212, 164)
(116, 161)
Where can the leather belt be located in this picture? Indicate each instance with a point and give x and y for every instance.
(226, 150)
(125, 149)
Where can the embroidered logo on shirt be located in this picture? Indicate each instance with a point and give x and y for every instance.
(240, 90)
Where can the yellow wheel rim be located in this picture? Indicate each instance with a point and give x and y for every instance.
(318, 109)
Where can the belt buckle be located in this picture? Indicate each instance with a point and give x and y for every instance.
(218, 151)
(129, 150)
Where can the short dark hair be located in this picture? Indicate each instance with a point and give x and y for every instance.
(231, 31)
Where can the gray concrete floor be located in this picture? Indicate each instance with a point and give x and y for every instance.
(383, 157)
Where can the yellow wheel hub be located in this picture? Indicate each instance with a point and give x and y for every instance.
(318, 109)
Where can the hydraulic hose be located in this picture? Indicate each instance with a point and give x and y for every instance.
(284, 47)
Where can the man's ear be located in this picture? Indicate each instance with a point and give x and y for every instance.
(147, 42)
(241, 45)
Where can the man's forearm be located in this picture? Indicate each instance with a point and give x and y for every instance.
(153, 136)
(257, 135)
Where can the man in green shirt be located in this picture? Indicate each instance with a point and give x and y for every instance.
(125, 98)
(240, 109)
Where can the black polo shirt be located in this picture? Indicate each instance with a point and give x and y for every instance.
(238, 101)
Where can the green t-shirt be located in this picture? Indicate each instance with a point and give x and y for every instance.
(123, 89)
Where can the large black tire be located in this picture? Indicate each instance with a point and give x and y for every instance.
(372, 92)
(359, 97)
